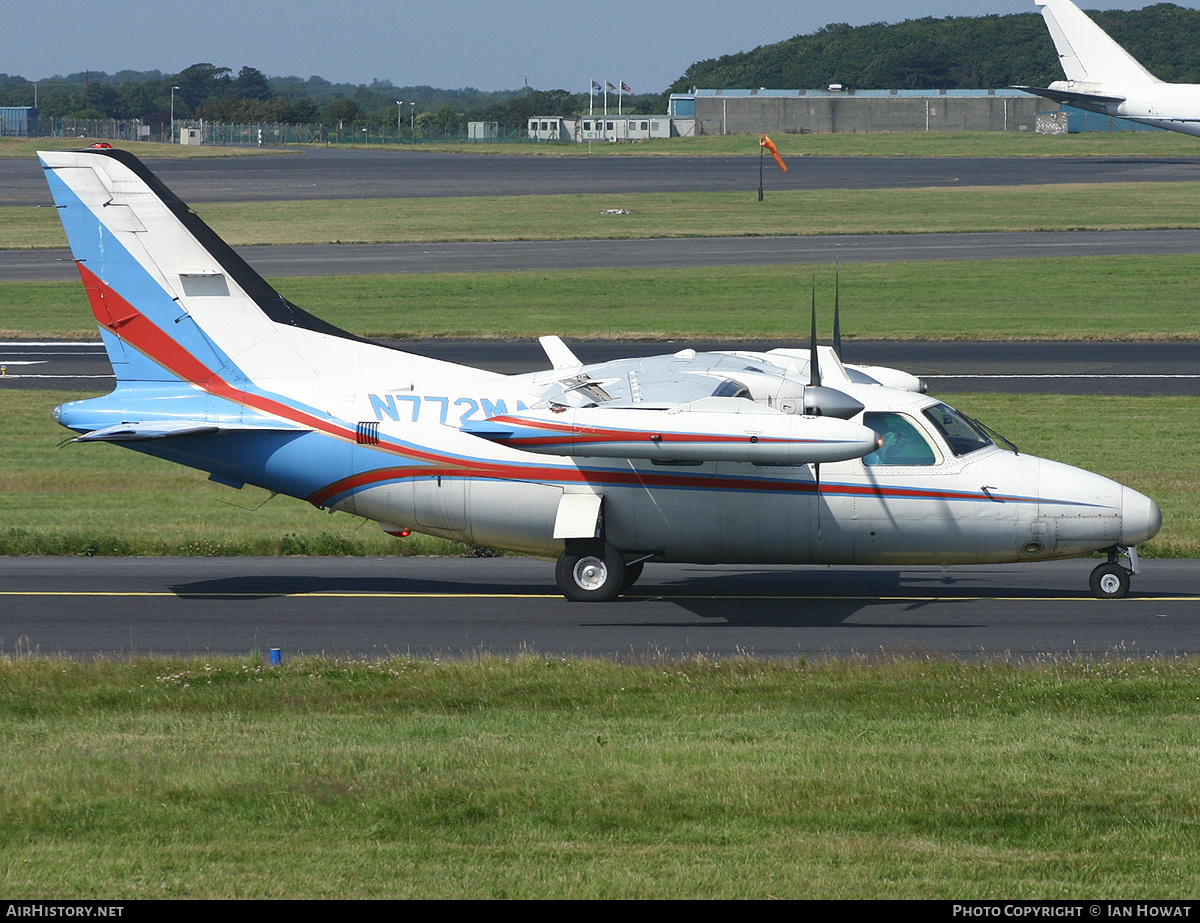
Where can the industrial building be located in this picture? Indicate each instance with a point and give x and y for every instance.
(836, 109)
(18, 121)
(600, 128)
(840, 109)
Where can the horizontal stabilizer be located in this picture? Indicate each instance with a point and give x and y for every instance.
(144, 432)
(1094, 102)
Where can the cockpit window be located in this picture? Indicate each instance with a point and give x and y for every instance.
(903, 443)
(960, 433)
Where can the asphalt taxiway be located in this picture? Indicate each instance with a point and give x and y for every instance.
(1021, 367)
(55, 265)
(316, 173)
(449, 607)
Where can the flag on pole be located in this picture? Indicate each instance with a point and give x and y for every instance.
(610, 86)
(625, 87)
(596, 88)
(766, 142)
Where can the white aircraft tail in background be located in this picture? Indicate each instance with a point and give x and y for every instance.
(1103, 77)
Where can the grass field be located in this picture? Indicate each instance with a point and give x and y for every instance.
(1110, 206)
(902, 778)
(1079, 298)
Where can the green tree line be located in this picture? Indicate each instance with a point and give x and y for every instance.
(216, 94)
(955, 52)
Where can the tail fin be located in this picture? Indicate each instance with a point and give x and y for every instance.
(1086, 52)
(174, 302)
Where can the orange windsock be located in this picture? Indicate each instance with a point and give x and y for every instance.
(766, 142)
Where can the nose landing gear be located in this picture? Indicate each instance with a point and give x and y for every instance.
(1110, 580)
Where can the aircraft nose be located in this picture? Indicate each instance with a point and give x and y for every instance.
(1141, 518)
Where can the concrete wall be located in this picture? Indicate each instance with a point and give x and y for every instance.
(737, 115)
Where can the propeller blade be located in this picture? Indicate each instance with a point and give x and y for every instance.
(820, 401)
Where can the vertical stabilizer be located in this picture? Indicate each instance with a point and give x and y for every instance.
(171, 299)
(1086, 52)
(175, 302)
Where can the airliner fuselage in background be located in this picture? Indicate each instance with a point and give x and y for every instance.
(1103, 77)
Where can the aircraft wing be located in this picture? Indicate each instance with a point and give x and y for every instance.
(1094, 102)
(684, 408)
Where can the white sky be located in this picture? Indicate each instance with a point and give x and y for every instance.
(552, 44)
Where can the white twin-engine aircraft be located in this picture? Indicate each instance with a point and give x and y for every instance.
(727, 457)
(1103, 77)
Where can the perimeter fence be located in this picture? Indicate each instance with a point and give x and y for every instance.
(278, 133)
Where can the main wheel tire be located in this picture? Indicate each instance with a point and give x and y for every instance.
(592, 571)
(1109, 581)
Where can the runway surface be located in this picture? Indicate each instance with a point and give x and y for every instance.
(692, 252)
(336, 174)
(1050, 367)
(463, 606)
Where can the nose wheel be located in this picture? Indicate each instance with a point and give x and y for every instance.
(1110, 580)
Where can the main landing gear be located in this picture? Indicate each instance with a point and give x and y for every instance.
(592, 570)
(1110, 580)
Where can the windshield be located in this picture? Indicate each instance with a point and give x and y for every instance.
(960, 433)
